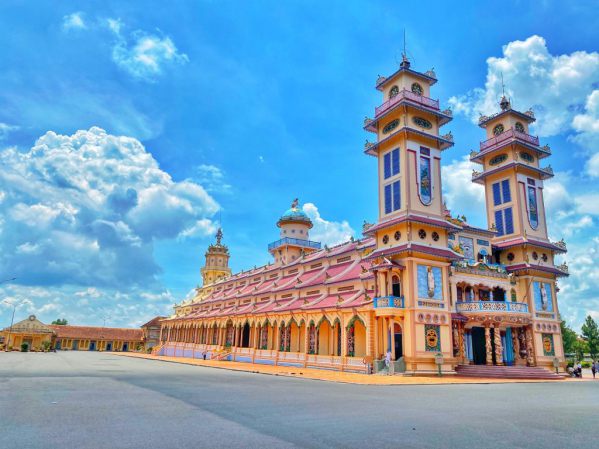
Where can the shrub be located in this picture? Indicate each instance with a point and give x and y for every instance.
(586, 364)
(46, 345)
(24, 347)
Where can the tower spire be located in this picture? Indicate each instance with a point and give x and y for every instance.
(504, 104)
(405, 63)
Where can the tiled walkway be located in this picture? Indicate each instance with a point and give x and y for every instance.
(334, 376)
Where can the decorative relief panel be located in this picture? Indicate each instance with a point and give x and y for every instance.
(548, 346)
(543, 296)
(430, 282)
(432, 337)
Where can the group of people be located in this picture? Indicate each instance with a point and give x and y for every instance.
(576, 370)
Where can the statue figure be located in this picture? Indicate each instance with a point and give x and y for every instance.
(295, 204)
(430, 282)
(544, 301)
(219, 236)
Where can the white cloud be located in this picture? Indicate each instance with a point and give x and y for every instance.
(327, 232)
(74, 21)
(462, 196)
(86, 209)
(556, 86)
(212, 178)
(121, 308)
(5, 129)
(144, 56)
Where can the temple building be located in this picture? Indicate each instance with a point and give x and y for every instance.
(428, 288)
(39, 336)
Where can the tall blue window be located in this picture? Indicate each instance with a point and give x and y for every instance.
(391, 163)
(505, 189)
(392, 197)
(501, 192)
(504, 221)
(388, 199)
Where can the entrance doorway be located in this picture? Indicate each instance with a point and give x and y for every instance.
(479, 348)
(109, 346)
(245, 337)
(125, 347)
(75, 345)
(397, 341)
(92, 346)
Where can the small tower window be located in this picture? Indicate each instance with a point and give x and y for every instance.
(417, 89)
(397, 235)
(385, 239)
(422, 234)
(510, 256)
(422, 122)
(391, 126)
(435, 236)
(519, 127)
(544, 257)
(395, 286)
(498, 129)
(535, 256)
(393, 92)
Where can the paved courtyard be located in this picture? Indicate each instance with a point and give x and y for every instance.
(96, 400)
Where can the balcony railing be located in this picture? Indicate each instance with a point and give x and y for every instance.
(509, 134)
(491, 306)
(407, 95)
(396, 302)
(296, 242)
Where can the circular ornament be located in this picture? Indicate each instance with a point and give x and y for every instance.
(397, 235)
(422, 234)
(385, 239)
(498, 159)
(544, 257)
(435, 236)
(390, 126)
(393, 92)
(535, 256)
(422, 122)
(498, 129)
(527, 157)
(519, 127)
(510, 256)
(417, 89)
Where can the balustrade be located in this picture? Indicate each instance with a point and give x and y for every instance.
(491, 306)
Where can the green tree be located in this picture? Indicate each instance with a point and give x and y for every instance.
(590, 333)
(60, 322)
(569, 337)
(580, 348)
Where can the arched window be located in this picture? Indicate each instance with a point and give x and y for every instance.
(395, 286)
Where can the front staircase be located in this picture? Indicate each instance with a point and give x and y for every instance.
(507, 372)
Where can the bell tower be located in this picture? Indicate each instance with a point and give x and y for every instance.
(512, 174)
(412, 258)
(216, 266)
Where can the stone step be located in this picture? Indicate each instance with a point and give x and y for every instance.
(507, 372)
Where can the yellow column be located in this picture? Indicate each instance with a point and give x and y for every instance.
(498, 347)
(488, 346)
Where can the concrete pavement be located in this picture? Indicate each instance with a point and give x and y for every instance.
(99, 400)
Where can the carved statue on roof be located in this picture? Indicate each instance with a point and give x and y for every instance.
(219, 236)
(295, 204)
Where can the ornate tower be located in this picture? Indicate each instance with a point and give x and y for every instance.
(294, 239)
(514, 180)
(411, 258)
(217, 261)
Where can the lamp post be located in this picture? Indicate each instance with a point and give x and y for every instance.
(14, 308)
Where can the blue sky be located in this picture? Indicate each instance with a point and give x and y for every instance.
(129, 131)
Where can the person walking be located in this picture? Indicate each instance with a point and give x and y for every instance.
(579, 369)
(388, 361)
(594, 367)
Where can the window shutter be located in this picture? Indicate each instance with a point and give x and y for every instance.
(395, 161)
(396, 196)
(505, 187)
(509, 221)
(499, 222)
(496, 194)
(388, 199)
(387, 163)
